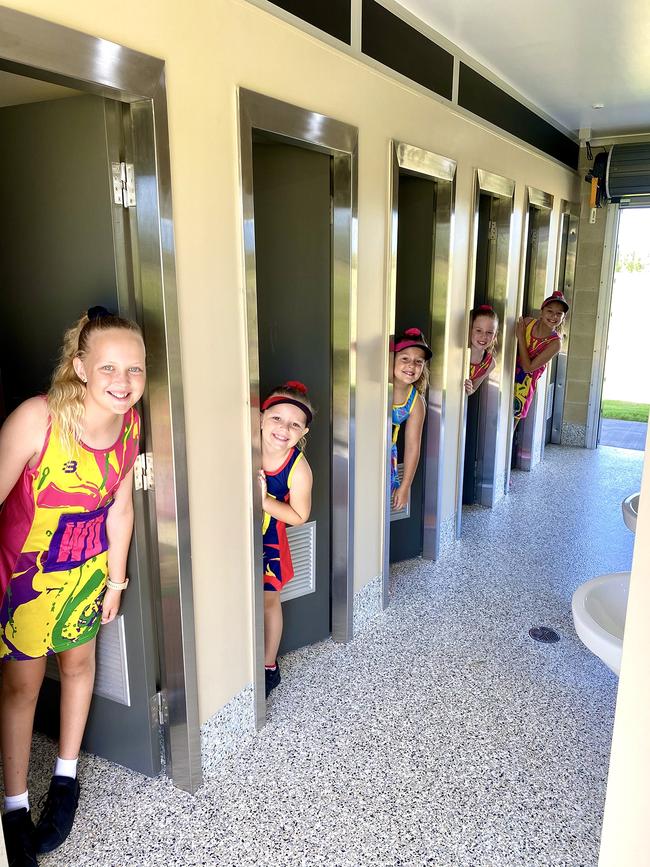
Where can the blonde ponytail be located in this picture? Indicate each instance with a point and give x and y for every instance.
(65, 398)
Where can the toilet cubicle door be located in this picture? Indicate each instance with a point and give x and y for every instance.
(485, 258)
(487, 284)
(528, 438)
(58, 258)
(415, 245)
(422, 207)
(292, 201)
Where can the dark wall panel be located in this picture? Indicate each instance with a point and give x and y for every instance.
(332, 16)
(488, 101)
(394, 43)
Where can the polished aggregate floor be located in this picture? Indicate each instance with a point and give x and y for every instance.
(443, 735)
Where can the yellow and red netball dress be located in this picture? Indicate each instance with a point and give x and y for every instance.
(53, 544)
(476, 371)
(278, 568)
(526, 383)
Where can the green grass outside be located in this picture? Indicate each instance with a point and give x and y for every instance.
(625, 411)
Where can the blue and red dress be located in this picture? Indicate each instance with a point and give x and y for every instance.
(278, 568)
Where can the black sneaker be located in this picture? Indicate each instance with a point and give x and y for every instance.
(57, 815)
(272, 677)
(18, 829)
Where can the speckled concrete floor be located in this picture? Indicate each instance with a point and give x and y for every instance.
(442, 736)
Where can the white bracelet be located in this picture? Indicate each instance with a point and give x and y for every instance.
(113, 585)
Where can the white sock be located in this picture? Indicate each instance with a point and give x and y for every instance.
(15, 802)
(65, 767)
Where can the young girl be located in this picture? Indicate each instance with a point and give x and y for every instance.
(410, 380)
(538, 342)
(484, 326)
(65, 527)
(286, 481)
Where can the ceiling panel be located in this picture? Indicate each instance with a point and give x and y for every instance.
(563, 57)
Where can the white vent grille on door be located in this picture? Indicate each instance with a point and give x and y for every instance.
(112, 675)
(399, 514)
(302, 542)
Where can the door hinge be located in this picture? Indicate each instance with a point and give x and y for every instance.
(123, 184)
(159, 709)
(143, 472)
(492, 230)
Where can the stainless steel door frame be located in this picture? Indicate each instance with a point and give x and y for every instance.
(541, 204)
(503, 189)
(308, 129)
(39, 49)
(417, 161)
(564, 281)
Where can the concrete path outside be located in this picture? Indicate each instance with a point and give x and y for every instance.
(623, 434)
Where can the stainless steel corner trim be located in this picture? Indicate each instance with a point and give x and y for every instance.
(488, 182)
(490, 395)
(308, 129)
(39, 49)
(565, 278)
(424, 162)
(602, 326)
(539, 198)
(415, 160)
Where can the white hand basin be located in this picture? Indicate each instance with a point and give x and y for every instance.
(630, 507)
(599, 608)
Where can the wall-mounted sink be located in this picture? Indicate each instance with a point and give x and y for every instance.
(630, 507)
(599, 608)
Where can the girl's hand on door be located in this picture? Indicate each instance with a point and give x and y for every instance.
(469, 386)
(261, 478)
(400, 497)
(111, 605)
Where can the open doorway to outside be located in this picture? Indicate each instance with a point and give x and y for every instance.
(625, 398)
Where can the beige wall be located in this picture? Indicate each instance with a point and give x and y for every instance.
(211, 47)
(627, 806)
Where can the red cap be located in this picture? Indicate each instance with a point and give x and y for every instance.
(556, 296)
(412, 337)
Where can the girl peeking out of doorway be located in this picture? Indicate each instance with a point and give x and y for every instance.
(410, 381)
(286, 481)
(66, 469)
(538, 342)
(483, 330)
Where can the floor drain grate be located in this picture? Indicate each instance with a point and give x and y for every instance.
(544, 634)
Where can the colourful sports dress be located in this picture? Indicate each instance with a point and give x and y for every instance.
(476, 371)
(278, 568)
(526, 383)
(401, 412)
(53, 544)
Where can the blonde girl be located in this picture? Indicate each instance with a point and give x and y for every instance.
(538, 342)
(484, 328)
(66, 467)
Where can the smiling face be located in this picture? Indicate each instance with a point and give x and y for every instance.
(484, 332)
(553, 314)
(409, 364)
(283, 425)
(113, 367)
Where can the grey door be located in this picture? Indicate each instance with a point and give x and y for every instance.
(291, 193)
(415, 246)
(61, 251)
